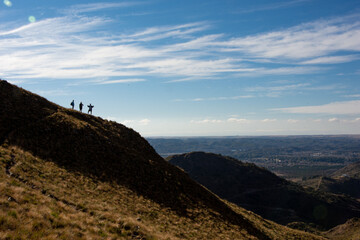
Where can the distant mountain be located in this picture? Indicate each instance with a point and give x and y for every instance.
(340, 185)
(343, 181)
(352, 170)
(261, 191)
(69, 175)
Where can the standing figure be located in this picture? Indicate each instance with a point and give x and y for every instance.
(80, 106)
(72, 104)
(90, 108)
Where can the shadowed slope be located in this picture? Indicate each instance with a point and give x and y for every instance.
(104, 153)
(96, 147)
(20, 108)
(343, 181)
(352, 170)
(40, 200)
(349, 231)
(339, 185)
(263, 192)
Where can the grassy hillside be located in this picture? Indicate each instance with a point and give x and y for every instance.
(352, 170)
(263, 192)
(349, 231)
(68, 175)
(340, 185)
(343, 181)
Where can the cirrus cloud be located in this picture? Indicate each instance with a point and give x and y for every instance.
(75, 46)
(345, 107)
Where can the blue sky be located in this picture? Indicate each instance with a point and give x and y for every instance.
(192, 68)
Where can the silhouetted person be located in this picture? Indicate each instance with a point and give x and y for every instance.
(72, 104)
(90, 108)
(80, 106)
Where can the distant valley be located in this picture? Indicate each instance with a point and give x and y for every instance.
(261, 191)
(292, 157)
(69, 175)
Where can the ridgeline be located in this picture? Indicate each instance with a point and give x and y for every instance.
(69, 175)
(266, 194)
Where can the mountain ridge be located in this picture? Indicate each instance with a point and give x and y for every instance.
(60, 156)
(53, 131)
(261, 191)
(351, 170)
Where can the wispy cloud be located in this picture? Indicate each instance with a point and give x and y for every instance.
(333, 120)
(286, 89)
(141, 122)
(75, 46)
(329, 125)
(238, 120)
(278, 88)
(307, 41)
(278, 71)
(215, 98)
(292, 121)
(63, 48)
(332, 59)
(345, 107)
(130, 80)
(267, 120)
(273, 6)
(156, 33)
(144, 121)
(206, 121)
(92, 7)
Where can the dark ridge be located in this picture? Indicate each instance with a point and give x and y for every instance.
(15, 110)
(261, 191)
(339, 185)
(352, 170)
(104, 150)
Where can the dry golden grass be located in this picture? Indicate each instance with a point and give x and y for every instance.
(349, 231)
(76, 176)
(41, 200)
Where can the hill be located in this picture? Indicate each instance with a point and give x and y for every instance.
(339, 185)
(292, 157)
(69, 175)
(351, 170)
(349, 230)
(343, 181)
(261, 191)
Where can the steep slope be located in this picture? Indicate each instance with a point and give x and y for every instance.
(352, 170)
(69, 175)
(339, 185)
(349, 231)
(343, 181)
(263, 192)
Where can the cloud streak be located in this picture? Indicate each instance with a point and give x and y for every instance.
(92, 7)
(306, 41)
(130, 80)
(75, 47)
(273, 6)
(341, 108)
(332, 59)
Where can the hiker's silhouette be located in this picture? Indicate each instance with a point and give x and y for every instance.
(90, 108)
(72, 104)
(80, 106)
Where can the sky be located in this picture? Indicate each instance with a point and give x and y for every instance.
(192, 68)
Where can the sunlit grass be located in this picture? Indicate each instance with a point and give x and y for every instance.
(52, 203)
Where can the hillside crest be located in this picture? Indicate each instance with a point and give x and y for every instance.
(42, 142)
(264, 193)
